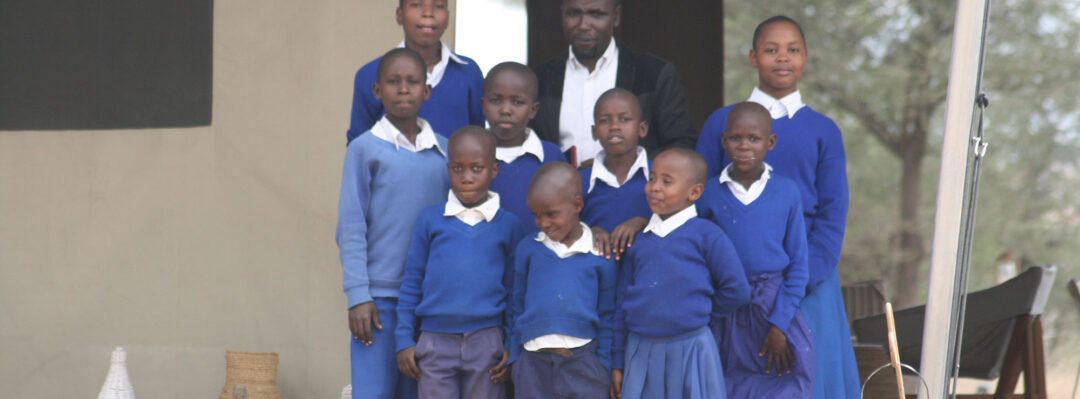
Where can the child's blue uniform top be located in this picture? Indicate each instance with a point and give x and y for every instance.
(512, 182)
(383, 189)
(608, 204)
(809, 150)
(674, 284)
(572, 296)
(457, 276)
(768, 234)
(454, 101)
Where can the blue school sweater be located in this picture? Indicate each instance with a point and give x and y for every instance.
(768, 234)
(607, 207)
(673, 285)
(383, 189)
(572, 296)
(810, 151)
(454, 102)
(512, 183)
(457, 277)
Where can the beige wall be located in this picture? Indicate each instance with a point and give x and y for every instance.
(180, 243)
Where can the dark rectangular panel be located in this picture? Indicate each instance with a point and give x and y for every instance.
(105, 64)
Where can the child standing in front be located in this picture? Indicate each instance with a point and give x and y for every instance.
(509, 105)
(390, 175)
(809, 150)
(680, 271)
(765, 344)
(615, 183)
(458, 277)
(456, 81)
(564, 297)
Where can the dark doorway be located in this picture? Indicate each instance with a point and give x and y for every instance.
(687, 33)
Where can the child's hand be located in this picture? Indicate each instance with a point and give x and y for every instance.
(361, 318)
(776, 346)
(501, 373)
(616, 384)
(623, 235)
(406, 362)
(601, 242)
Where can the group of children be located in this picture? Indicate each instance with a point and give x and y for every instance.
(484, 258)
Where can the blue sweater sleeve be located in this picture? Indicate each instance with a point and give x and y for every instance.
(826, 229)
(729, 277)
(412, 284)
(510, 277)
(797, 273)
(517, 298)
(366, 110)
(619, 330)
(605, 308)
(476, 93)
(708, 143)
(352, 227)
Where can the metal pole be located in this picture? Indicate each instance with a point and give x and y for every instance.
(946, 253)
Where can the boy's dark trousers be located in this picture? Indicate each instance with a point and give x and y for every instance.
(542, 375)
(456, 365)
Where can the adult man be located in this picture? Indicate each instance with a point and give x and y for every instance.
(571, 83)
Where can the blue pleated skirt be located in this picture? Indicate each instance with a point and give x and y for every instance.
(837, 375)
(739, 337)
(682, 366)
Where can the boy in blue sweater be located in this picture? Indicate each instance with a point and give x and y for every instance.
(456, 81)
(680, 272)
(762, 214)
(390, 175)
(458, 277)
(509, 104)
(563, 298)
(614, 184)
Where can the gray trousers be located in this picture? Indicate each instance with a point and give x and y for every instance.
(456, 365)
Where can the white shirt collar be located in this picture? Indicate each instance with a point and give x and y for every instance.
(531, 145)
(743, 194)
(663, 227)
(436, 74)
(610, 55)
(786, 106)
(471, 216)
(601, 172)
(584, 244)
(385, 130)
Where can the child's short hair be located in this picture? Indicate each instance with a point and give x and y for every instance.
(774, 19)
(699, 169)
(559, 177)
(620, 92)
(518, 68)
(747, 109)
(399, 52)
(473, 132)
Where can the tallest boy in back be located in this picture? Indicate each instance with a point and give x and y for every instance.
(456, 81)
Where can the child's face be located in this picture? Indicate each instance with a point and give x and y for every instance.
(618, 125)
(746, 143)
(402, 88)
(779, 56)
(671, 188)
(423, 21)
(509, 106)
(471, 169)
(557, 215)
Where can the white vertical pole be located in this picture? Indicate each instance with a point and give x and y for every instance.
(940, 327)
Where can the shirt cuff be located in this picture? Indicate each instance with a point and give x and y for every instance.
(358, 294)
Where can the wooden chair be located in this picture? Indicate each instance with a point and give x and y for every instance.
(1002, 334)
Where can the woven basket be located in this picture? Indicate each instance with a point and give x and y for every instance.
(256, 371)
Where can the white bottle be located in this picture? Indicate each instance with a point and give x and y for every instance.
(117, 384)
